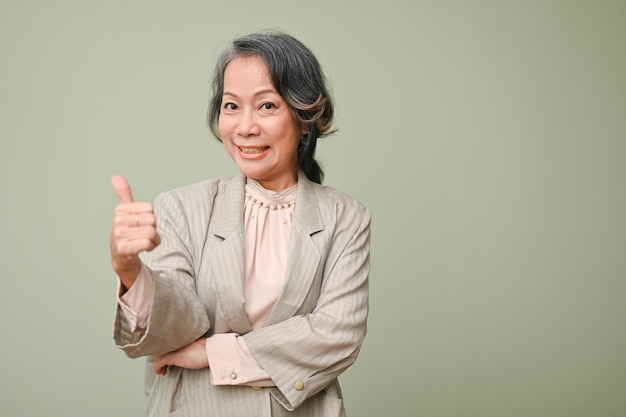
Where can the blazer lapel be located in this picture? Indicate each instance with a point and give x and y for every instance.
(227, 260)
(303, 257)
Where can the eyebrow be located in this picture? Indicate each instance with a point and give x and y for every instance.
(258, 93)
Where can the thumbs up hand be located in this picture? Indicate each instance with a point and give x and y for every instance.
(133, 231)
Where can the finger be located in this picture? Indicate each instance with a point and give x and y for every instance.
(146, 237)
(122, 189)
(133, 247)
(157, 365)
(160, 365)
(161, 370)
(144, 219)
(131, 218)
(130, 227)
(123, 210)
(146, 244)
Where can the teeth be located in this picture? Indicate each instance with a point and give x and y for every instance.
(252, 150)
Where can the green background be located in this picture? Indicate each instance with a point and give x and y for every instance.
(488, 138)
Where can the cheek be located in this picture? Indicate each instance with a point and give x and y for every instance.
(224, 127)
(220, 126)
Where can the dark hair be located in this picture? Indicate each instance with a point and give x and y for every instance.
(298, 78)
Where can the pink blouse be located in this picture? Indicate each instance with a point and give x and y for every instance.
(267, 225)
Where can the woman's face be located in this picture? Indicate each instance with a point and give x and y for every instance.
(257, 127)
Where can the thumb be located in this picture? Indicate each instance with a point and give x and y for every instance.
(122, 189)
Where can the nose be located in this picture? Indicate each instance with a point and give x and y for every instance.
(247, 124)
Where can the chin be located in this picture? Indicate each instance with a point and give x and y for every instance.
(252, 174)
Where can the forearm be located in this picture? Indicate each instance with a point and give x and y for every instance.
(172, 304)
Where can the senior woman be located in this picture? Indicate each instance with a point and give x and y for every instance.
(248, 294)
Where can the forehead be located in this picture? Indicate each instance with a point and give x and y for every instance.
(246, 72)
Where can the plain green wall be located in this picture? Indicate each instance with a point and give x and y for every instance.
(488, 139)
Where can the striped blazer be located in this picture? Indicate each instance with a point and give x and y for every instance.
(314, 332)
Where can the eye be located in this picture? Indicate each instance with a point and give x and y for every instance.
(230, 106)
(267, 106)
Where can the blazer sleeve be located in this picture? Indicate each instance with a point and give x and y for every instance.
(177, 316)
(305, 353)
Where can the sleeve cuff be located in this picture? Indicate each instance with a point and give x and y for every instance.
(232, 363)
(137, 301)
(221, 350)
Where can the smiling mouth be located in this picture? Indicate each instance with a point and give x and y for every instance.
(252, 150)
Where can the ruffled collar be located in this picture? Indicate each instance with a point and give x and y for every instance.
(271, 197)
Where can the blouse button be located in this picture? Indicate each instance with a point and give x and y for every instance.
(233, 376)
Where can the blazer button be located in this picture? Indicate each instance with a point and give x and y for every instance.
(299, 386)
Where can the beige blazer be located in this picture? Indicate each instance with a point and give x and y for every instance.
(314, 332)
